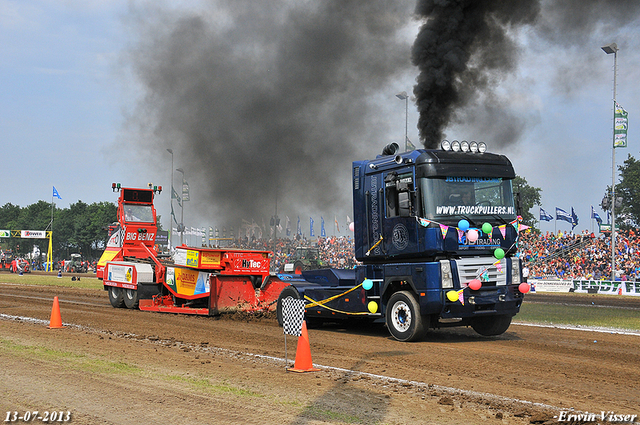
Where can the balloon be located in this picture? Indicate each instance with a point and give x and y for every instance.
(499, 253)
(472, 235)
(487, 228)
(351, 226)
(373, 307)
(367, 284)
(475, 284)
(452, 296)
(463, 225)
(524, 287)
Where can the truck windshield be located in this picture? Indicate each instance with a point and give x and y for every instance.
(138, 213)
(448, 199)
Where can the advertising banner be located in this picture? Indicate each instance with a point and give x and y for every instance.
(546, 285)
(33, 234)
(187, 282)
(607, 287)
(585, 286)
(162, 237)
(621, 118)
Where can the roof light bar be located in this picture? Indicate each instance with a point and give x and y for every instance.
(463, 146)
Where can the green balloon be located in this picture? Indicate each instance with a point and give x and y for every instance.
(487, 228)
(499, 253)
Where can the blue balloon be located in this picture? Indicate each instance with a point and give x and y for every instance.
(367, 284)
(463, 225)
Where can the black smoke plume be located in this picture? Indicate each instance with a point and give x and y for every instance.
(465, 48)
(461, 51)
(266, 100)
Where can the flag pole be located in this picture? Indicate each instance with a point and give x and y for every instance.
(49, 266)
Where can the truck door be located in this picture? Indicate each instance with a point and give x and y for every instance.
(399, 215)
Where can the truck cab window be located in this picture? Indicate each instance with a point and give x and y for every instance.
(398, 194)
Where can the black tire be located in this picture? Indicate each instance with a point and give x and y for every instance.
(116, 297)
(403, 317)
(287, 292)
(130, 298)
(491, 325)
(298, 267)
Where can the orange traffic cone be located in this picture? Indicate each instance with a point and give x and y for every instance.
(56, 320)
(303, 353)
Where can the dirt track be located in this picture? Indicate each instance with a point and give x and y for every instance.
(121, 366)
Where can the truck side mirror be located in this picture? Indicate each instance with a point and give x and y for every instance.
(518, 204)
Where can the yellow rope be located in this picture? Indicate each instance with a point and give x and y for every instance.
(321, 303)
(314, 303)
(374, 246)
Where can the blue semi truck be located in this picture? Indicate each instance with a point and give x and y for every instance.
(435, 231)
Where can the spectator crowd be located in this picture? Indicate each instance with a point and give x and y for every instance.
(580, 256)
(334, 251)
(562, 255)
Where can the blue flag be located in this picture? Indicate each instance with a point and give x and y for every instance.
(322, 232)
(595, 216)
(299, 229)
(311, 233)
(574, 219)
(563, 215)
(56, 194)
(545, 216)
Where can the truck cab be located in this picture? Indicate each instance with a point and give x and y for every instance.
(135, 232)
(436, 232)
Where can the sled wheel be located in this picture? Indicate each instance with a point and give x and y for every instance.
(131, 298)
(403, 317)
(116, 297)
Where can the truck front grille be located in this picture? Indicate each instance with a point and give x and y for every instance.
(490, 271)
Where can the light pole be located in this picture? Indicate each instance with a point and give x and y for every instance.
(609, 49)
(171, 203)
(181, 226)
(404, 96)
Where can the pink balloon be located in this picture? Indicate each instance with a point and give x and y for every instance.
(475, 284)
(351, 226)
(472, 235)
(524, 287)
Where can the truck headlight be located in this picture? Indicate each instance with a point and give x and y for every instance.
(515, 271)
(447, 276)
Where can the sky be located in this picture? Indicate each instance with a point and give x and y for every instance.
(265, 107)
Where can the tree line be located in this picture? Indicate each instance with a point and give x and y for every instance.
(81, 228)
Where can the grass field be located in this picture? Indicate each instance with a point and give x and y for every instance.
(87, 281)
(580, 315)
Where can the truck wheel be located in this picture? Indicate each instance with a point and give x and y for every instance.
(403, 317)
(116, 297)
(287, 292)
(131, 298)
(298, 267)
(491, 325)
